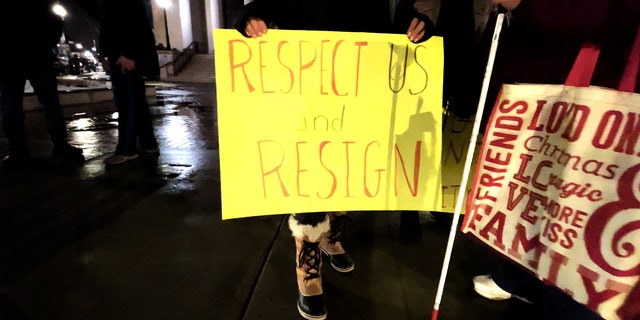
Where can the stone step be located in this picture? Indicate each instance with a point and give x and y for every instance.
(199, 69)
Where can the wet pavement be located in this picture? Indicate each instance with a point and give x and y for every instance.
(145, 240)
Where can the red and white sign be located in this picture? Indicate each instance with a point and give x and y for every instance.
(557, 189)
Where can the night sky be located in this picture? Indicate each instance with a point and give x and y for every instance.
(81, 24)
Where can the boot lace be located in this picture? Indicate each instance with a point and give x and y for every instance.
(338, 224)
(310, 255)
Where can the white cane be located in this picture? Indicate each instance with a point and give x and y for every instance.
(467, 164)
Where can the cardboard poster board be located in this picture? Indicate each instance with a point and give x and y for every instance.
(328, 121)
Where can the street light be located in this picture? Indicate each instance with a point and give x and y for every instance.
(62, 49)
(59, 10)
(164, 4)
(62, 12)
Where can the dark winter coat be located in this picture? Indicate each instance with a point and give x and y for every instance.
(332, 15)
(29, 31)
(543, 37)
(125, 30)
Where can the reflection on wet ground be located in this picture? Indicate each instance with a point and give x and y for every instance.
(184, 117)
(33, 205)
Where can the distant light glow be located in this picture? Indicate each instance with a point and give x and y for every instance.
(164, 3)
(59, 10)
(83, 123)
(79, 46)
(89, 55)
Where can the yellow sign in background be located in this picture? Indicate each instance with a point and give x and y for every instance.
(328, 121)
(456, 137)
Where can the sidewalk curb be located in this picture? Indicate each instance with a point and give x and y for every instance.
(78, 96)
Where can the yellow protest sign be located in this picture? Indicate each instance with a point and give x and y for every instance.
(456, 137)
(328, 121)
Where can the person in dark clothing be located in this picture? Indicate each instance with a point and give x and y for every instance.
(33, 31)
(321, 232)
(128, 43)
(10, 308)
(75, 64)
(455, 23)
(539, 43)
(542, 38)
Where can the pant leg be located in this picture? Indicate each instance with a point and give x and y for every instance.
(45, 86)
(12, 82)
(557, 305)
(125, 101)
(512, 278)
(144, 123)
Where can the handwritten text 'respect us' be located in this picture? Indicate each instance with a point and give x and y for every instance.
(335, 65)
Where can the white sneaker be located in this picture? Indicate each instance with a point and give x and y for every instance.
(119, 158)
(486, 287)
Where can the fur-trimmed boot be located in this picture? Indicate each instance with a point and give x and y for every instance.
(331, 245)
(308, 266)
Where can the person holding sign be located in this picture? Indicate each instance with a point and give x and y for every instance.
(320, 232)
(539, 46)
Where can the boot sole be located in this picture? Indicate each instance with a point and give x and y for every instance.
(336, 268)
(311, 317)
